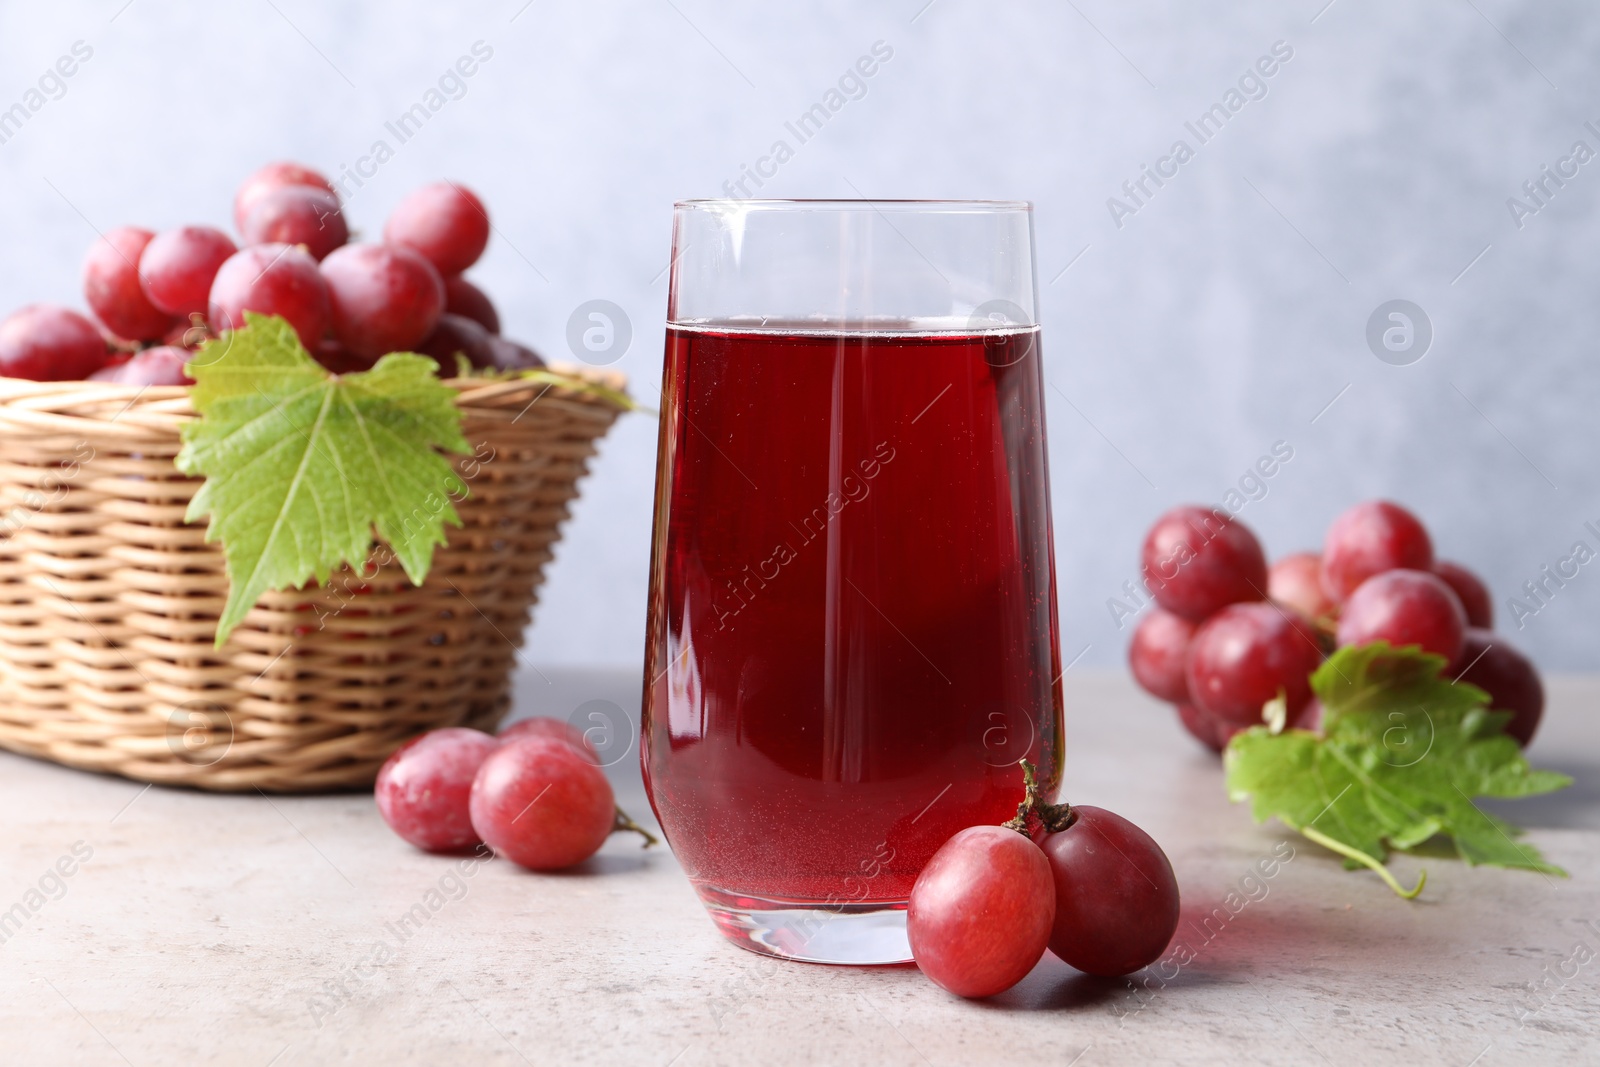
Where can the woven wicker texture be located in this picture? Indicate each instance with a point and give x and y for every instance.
(108, 600)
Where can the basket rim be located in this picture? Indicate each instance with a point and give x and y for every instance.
(148, 416)
(18, 391)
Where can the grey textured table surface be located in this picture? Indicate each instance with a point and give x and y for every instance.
(242, 930)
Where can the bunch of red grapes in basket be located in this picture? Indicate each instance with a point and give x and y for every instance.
(1228, 634)
(156, 297)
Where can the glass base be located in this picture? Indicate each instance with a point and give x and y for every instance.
(864, 934)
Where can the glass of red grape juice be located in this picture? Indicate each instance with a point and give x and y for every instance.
(852, 634)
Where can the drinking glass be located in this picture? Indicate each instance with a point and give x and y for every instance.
(852, 633)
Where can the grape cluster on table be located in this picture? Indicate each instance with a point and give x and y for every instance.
(156, 297)
(1228, 634)
(1093, 888)
(535, 794)
(1081, 881)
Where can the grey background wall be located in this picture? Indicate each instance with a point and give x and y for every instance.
(1226, 312)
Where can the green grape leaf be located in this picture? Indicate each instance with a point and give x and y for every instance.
(1403, 751)
(301, 466)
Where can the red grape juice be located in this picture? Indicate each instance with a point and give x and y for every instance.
(852, 630)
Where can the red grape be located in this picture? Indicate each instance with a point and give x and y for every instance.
(332, 355)
(1310, 717)
(1404, 607)
(461, 297)
(45, 343)
(297, 215)
(1116, 896)
(512, 355)
(270, 177)
(1295, 581)
(544, 726)
(1203, 727)
(444, 221)
(1369, 539)
(177, 267)
(1156, 654)
(162, 365)
(1199, 560)
(1215, 733)
(385, 299)
(1245, 655)
(423, 790)
(457, 333)
(981, 910)
(1510, 680)
(1470, 589)
(188, 335)
(542, 803)
(272, 280)
(111, 285)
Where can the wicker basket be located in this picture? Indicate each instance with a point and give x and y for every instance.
(109, 601)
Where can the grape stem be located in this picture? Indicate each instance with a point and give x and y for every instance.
(624, 822)
(1054, 817)
(1365, 860)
